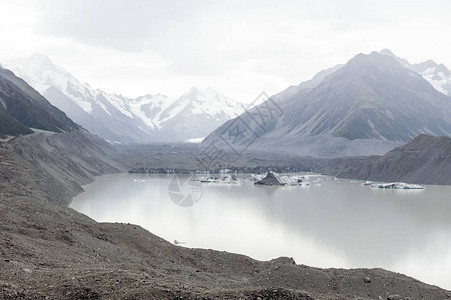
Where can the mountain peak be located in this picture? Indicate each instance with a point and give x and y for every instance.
(371, 63)
(194, 90)
(437, 75)
(40, 58)
(432, 64)
(202, 90)
(24, 107)
(421, 67)
(387, 52)
(372, 58)
(366, 106)
(41, 73)
(402, 61)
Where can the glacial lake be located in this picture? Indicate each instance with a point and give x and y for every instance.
(331, 223)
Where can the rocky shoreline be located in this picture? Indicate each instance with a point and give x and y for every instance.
(50, 251)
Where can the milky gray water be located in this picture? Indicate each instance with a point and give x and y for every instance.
(332, 223)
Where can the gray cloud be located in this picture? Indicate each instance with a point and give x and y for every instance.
(277, 42)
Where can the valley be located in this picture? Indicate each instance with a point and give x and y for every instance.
(373, 118)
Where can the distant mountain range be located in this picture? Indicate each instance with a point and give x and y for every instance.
(149, 118)
(370, 102)
(22, 108)
(368, 106)
(426, 159)
(438, 75)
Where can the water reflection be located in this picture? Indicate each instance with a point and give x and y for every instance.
(337, 224)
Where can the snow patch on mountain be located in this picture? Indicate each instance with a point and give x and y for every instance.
(438, 75)
(195, 141)
(149, 108)
(206, 102)
(3, 104)
(439, 80)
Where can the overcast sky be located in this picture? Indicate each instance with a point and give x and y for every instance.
(239, 48)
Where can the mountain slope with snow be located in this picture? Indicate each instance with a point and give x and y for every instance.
(150, 118)
(199, 111)
(106, 115)
(368, 106)
(437, 75)
(22, 108)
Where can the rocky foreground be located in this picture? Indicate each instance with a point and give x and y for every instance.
(49, 251)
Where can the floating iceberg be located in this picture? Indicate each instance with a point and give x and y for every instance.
(254, 177)
(222, 179)
(295, 180)
(272, 178)
(139, 180)
(398, 186)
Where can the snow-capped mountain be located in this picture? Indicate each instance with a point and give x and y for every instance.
(106, 115)
(199, 111)
(23, 108)
(188, 118)
(437, 75)
(149, 118)
(368, 106)
(149, 107)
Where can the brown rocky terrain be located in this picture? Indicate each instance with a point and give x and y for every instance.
(49, 251)
(426, 159)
